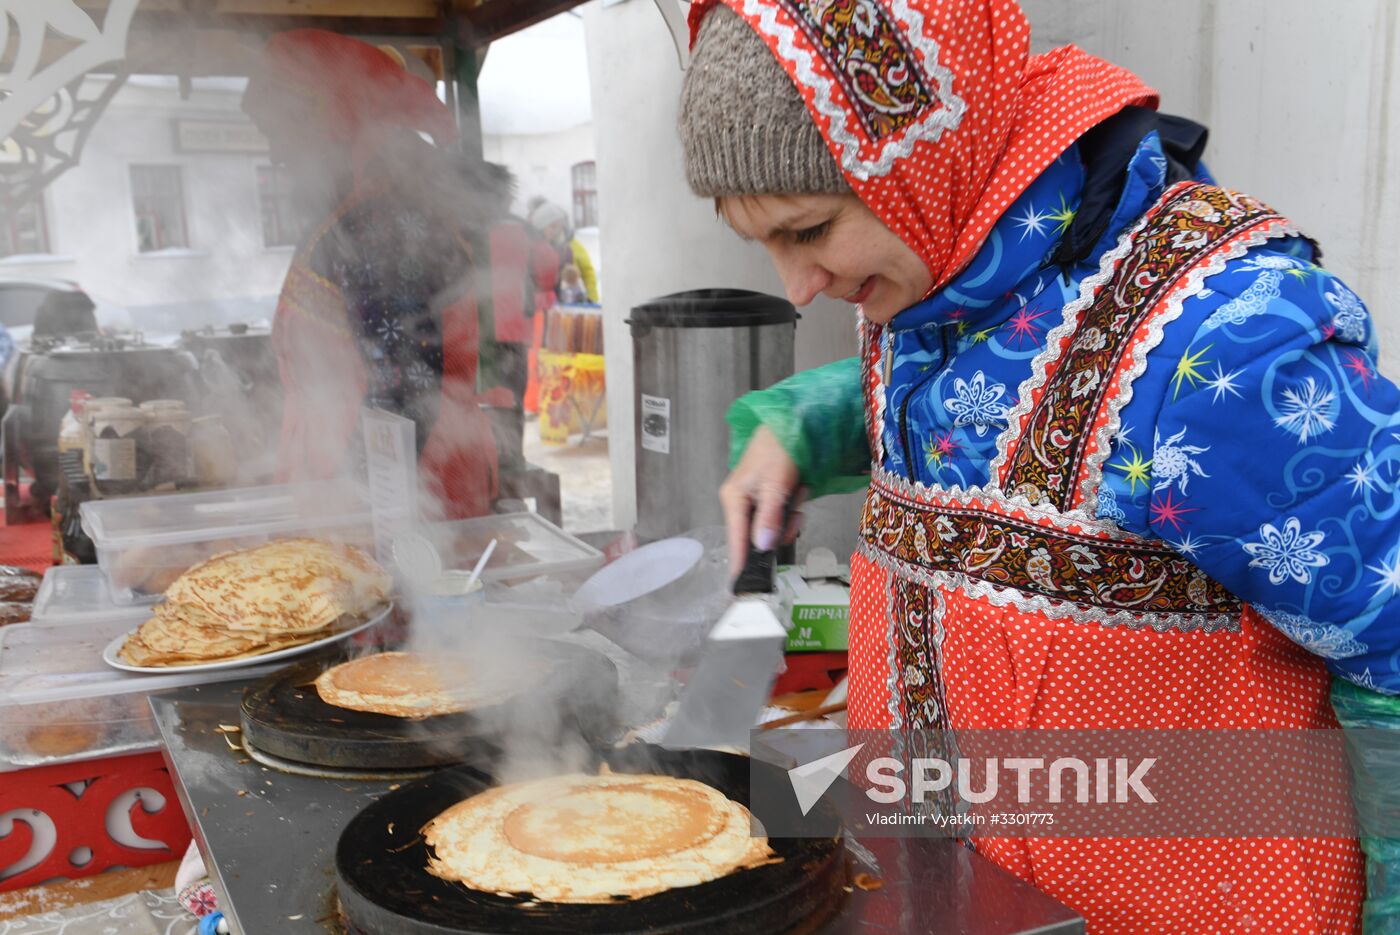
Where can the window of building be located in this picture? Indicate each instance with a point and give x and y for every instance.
(158, 199)
(281, 222)
(25, 230)
(585, 194)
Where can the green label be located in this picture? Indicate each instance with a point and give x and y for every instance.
(819, 628)
(810, 613)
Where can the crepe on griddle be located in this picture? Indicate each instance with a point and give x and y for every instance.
(254, 601)
(591, 839)
(415, 685)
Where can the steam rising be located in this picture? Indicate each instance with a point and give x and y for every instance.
(400, 228)
(379, 302)
(541, 728)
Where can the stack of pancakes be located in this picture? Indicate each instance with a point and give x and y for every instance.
(253, 601)
(582, 839)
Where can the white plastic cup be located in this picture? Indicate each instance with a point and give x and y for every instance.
(449, 599)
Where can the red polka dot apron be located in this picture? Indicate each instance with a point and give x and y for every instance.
(975, 609)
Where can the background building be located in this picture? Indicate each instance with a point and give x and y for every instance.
(174, 211)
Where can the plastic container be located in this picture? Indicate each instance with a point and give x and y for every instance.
(78, 594)
(537, 607)
(527, 546)
(145, 543)
(60, 702)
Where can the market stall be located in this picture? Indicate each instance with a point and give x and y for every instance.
(302, 678)
(951, 883)
(281, 780)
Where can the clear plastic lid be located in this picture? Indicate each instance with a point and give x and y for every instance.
(527, 545)
(219, 514)
(79, 594)
(46, 664)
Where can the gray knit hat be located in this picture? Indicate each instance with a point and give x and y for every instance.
(744, 126)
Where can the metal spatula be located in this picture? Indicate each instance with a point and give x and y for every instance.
(738, 664)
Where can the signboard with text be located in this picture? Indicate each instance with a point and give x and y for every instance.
(218, 136)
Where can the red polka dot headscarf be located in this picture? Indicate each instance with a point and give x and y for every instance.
(935, 110)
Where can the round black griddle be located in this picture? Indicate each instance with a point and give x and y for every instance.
(284, 716)
(385, 888)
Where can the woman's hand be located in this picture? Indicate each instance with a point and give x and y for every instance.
(754, 495)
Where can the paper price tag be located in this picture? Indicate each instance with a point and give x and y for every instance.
(656, 424)
(391, 457)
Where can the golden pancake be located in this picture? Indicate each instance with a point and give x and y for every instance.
(584, 839)
(62, 739)
(135, 651)
(247, 603)
(412, 685)
(285, 586)
(168, 634)
(397, 684)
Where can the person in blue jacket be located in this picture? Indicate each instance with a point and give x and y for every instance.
(1130, 461)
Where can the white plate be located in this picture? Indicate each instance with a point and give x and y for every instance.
(109, 655)
(637, 574)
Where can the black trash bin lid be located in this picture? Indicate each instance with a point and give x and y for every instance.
(714, 308)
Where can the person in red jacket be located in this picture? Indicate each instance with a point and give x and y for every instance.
(378, 308)
(508, 301)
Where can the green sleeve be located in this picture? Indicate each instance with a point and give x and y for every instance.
(818, 417)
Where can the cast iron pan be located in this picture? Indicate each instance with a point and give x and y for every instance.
(283, 715)
(385, 889)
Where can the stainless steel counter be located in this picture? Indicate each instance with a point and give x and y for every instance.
(268, 839)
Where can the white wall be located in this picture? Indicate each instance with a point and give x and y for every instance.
(659, 237)
(541, 162)
(92, 230)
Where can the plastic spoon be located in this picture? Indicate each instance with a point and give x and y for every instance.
(480, 566)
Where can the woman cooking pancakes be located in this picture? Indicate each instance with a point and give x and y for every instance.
(1124, 436)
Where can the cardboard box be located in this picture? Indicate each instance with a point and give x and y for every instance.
(821, 612)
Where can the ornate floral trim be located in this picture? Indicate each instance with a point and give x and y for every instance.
(1039, 567)
(873, 386)
(918, 613)
(1001, 501)
(316, 300)
(1189, 225)
(892, 673)
(1088, 500)
(871, 59)
(1019, 600)
(943, 112)
(1056, 341)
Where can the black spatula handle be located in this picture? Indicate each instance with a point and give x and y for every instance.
(759, 574)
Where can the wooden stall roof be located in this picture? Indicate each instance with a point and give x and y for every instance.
(203, 36)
